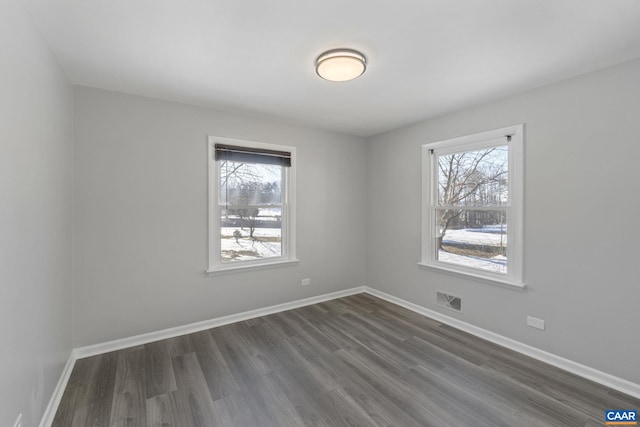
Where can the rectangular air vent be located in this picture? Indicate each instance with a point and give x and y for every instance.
(451, 302)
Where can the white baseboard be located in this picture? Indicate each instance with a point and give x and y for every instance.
(600, 377)
(52, 407)
(106, 347)
(625, 386)
(93, 350)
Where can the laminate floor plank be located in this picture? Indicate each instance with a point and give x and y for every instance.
(271, 346)
(178, 346)
(192, 393)
(129, 402)
(336, 335)
(255, 321)
(305, 327)
(275, 346)
(335, 308)
(346, 412)
(385, 376)
(360, 332)
(353, 361)
(315, 368)
(159, 376)
(445, 399)
(80, 417)
(378, 322)
(234, 411)
(164, 411)
(556, 383)
(256, 350)
(270, 406)
(279, 322)
(302, 348)
(392, 351)
(453, 347)
(306, 396)
(94, 407)
(320, 320)
(356, 306)
(316, 399)
(380, 399)
(494, 398)
(315, 310)
(214, 368)
(243, 366)
(620, 400)
(401, 313)
(75, 394)
(362, 395)
(95, 414)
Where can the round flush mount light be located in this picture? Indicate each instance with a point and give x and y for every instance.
(341, 65)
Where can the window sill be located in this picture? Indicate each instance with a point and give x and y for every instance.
(247, 267)
(509, 284)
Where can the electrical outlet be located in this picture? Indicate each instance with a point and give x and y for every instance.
(18, 422)
(535, 323)
(305, 282)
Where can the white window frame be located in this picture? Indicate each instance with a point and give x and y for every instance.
(288, 243)
(515, 208)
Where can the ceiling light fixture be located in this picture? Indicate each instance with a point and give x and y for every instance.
(341, 65)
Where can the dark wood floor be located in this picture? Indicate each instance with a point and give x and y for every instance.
(354, 361)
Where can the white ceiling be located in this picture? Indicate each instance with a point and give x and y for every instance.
(426, 57)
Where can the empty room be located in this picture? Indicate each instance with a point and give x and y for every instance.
(338, 213)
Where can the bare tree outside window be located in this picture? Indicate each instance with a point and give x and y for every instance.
(472, 193)
(251, 197)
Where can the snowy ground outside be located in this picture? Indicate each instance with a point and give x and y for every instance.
(267, 244)
(497, 264)
(477, 236)
(488, 236)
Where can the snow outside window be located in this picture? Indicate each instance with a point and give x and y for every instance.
(472, 205)
(251, 214)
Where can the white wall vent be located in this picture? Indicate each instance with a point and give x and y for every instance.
(451, 302)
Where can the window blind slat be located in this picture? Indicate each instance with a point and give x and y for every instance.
(234, 153)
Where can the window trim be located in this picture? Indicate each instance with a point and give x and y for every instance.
(515, 228)
(288, 243)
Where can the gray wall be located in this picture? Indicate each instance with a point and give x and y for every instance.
(35, 218)
(140, 216)
(581, 219)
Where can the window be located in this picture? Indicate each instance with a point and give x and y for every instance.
(251, 210)
(472, 205)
